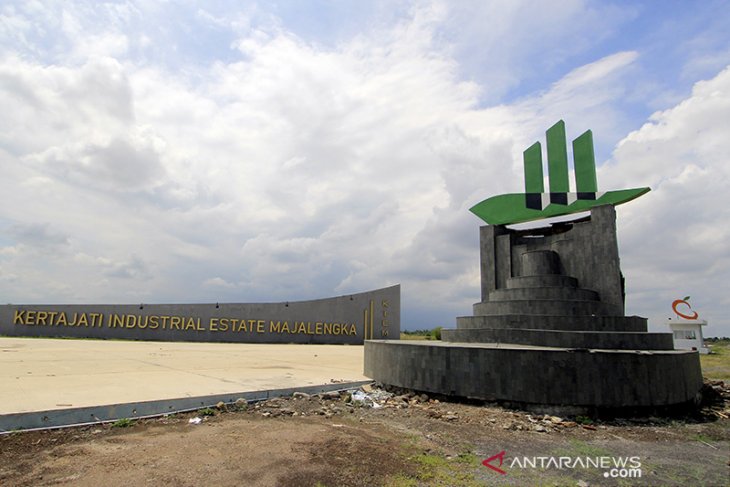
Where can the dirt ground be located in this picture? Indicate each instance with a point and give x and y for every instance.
(341, 439)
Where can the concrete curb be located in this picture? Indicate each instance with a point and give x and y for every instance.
(61, 418)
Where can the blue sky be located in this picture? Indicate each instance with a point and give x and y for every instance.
(242, 151)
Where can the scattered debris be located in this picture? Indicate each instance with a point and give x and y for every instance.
(715, 399)
(376, 398)
(334, 404)
(195, 420)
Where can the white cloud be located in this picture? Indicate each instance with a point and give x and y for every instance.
(674, 239)
(218, 282)
(286, 170)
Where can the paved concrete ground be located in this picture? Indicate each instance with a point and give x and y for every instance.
(46, 374)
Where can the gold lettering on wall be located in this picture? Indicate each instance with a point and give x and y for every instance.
(153, 323)
(384, 322)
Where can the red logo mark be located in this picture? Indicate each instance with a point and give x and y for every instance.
(684, 301)
(499, 455)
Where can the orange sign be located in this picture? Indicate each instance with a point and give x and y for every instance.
(684, 301)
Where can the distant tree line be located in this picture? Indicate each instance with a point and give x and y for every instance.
(434, 334)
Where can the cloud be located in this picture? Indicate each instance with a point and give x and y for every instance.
(49, 105)
(116, 165)
(218, 282)
(39, 236)
(135, 269)
(510, 45)
(673, 239)
(298, 165)
(263, 165)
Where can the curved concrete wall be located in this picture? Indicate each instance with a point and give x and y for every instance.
(343, 319)
(540, 376)
(540, 262)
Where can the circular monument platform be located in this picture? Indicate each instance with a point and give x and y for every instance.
(550, 332)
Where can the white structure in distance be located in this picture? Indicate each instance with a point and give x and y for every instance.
(687, 328)
(688, 334)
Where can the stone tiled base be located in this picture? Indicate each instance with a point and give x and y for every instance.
(548, 322)
(564, 339)
(550, 332)
(542, 376)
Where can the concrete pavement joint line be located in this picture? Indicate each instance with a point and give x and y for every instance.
(61, 418)
(294, 366)
(185, 371)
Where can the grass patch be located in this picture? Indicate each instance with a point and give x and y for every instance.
(206, 412)
(701, 438)
(716, 366)
(434, 334)
(122, 423)
(579, 448)
(415, 334)
(401, 480)
(433, 469)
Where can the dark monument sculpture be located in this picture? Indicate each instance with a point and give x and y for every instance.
(550, 332)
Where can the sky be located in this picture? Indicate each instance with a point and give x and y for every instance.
(240, 151)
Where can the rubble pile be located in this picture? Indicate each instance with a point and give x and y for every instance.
(374, 397)
(371, 400)
(715, 399)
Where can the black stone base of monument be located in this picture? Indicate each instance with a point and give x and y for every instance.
(558, 380)
(550, 332)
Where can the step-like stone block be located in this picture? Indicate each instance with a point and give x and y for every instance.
(562, 307)
(563, 339)
(541, 281)
(552, 293)
(552, 322)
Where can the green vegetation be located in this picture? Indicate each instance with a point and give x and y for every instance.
(122, 423)
(434, 334)
(401, 480)
(579, 448)
(206, 412)
(415, 335)
(701, 438)
(440, 470)
(716, 366)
